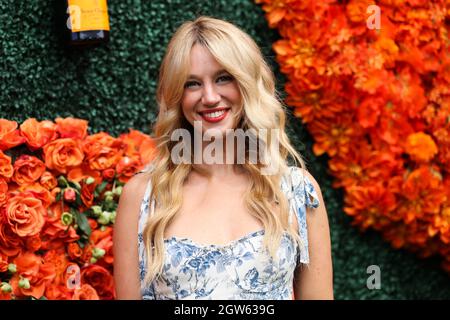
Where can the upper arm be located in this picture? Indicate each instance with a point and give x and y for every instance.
(125, 244)
(315, 280)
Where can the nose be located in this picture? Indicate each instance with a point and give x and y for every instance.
(210, 96)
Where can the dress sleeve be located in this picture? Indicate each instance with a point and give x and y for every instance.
(303, 195)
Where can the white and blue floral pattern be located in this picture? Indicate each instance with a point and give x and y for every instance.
(240, 270)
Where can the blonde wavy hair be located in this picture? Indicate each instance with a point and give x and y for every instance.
(260, 108)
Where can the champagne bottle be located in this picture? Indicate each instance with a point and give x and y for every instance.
(87, 22)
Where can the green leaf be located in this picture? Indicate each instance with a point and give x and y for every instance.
(101, 187)
(83, 223)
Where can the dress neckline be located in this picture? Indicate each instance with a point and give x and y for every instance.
(233, 243)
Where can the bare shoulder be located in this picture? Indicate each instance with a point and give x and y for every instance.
(134, 188)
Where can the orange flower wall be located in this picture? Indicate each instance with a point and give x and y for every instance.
(59, 189)
(377, 103)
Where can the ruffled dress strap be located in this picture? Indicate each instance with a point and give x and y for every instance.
(301, 194)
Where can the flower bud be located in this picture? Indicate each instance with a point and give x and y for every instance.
(96, 210)
(90, 180)
(118, 191)
(98, 253)
(12, 268)
(6, 287)
(24, 283)
(104, 217)
(93, 260)
(109, 194)
(62, 182)
(77, 185)
(112, 219)
(70, 195)
(66, 218)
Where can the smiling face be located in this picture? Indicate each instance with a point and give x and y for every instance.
(211, 95)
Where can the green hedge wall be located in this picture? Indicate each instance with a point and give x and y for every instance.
(113, 87)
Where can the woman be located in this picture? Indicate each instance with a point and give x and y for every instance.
(194, 226)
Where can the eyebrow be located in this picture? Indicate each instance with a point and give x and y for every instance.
(193, 76)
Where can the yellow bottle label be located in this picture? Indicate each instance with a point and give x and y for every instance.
(85, 15)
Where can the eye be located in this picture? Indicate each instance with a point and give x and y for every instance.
(225, 78)
(191, 84)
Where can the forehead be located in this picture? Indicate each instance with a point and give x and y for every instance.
(202, 62)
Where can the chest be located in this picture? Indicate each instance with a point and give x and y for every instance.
(213, 214)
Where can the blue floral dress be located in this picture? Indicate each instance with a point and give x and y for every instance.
(240, 270)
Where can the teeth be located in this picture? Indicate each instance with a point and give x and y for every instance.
(214, 114)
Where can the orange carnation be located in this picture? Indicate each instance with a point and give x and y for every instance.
(27, 169)
(86, 292)
(36, 133)
(63, 153)
(25, 214)
(9, 135)
(74, 250)
(37, 274)
(420, 147)
(6, 169)
(71, 128)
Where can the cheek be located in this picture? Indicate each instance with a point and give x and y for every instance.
(188, 103)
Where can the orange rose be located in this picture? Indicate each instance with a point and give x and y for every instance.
(87, 193)
(127, 167)
(32, 270)
(87, 254)
(10, 243)
(58, 292)
(27, 169)
(25, 214)
(38, 192)
(38, 134)
(139, 144)
(3, 191)
(102, 151)
(48, 180)
(72, 128)
(58, 258)
(108, 174)
(6, 169)
(147, 150)
(9, 135)
(86, 292)
(63, 153)
(83, 172)
(74, 250)
(100, 279)
(33, 243)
